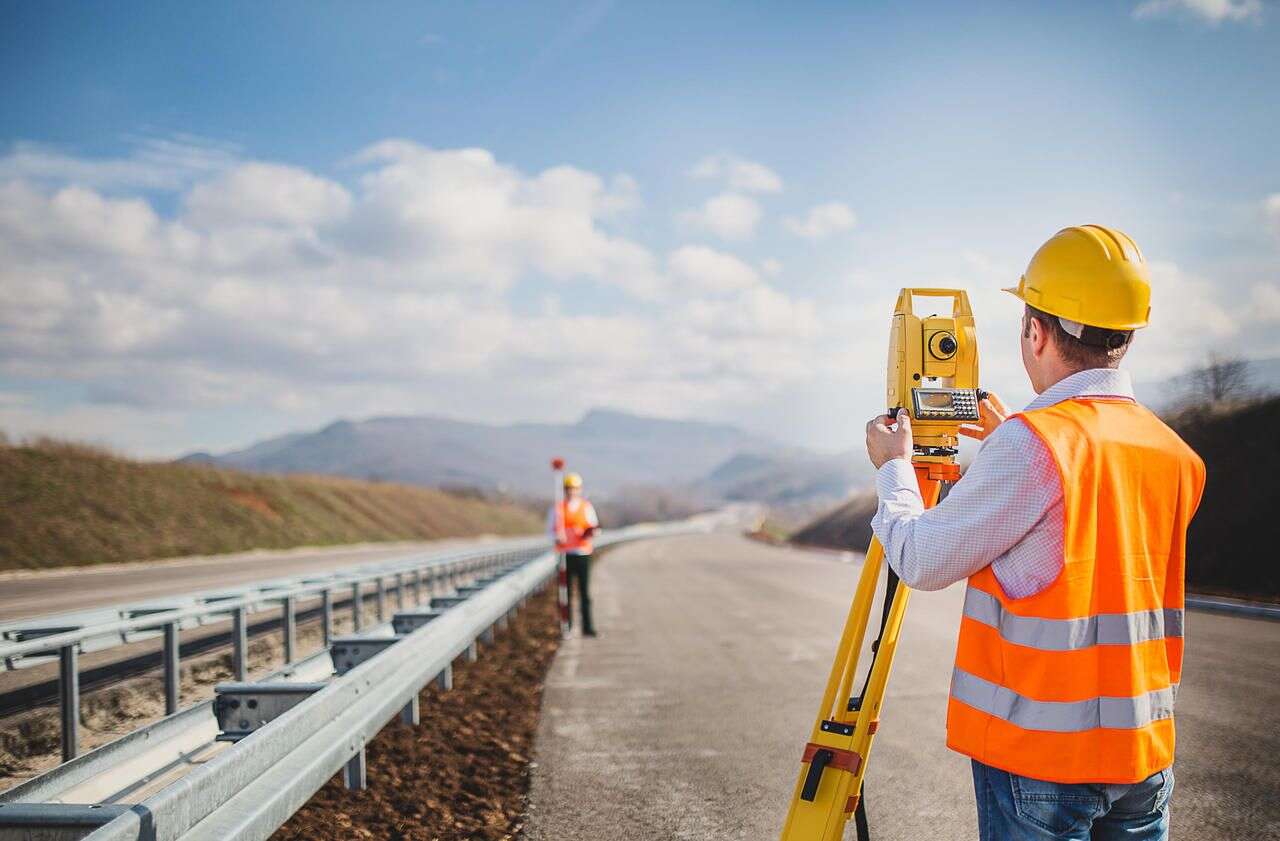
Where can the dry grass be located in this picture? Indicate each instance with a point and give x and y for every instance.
(67, 504)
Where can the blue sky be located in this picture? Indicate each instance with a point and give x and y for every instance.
(223, 222)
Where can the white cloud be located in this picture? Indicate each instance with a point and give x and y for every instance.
(154, 164)
(771, 266)
(1212, 12)
(730, 216)
(1271, 209)
(414, 287)
(1187, 317)
(460, 217)
(822, 221)
(272, 194)
(1265, 298)
(738, 173)
(708, 270)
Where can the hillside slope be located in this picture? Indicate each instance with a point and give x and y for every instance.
(847, 526)
(64, 505)
(1232, 541)
(786, 476)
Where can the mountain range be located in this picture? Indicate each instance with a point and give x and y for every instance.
(613, 450)
(617, 452)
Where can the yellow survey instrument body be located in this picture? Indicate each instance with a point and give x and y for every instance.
(933, 373)
(933, 367)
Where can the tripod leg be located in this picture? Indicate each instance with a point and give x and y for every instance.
(845, 667)
(827, 766)
(860, 819)
(834, 760)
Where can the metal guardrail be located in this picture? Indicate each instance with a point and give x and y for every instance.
(252, 787)
(430, 570)
(138, 757)
(1237, 607)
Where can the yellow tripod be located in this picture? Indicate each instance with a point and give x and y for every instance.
(934, 362)
(829, 790)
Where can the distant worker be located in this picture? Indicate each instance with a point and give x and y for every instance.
(1070, 526)
(580, 523)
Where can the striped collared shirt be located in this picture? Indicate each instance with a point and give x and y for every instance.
(1006, 511)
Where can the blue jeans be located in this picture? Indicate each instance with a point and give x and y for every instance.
(1014, 808)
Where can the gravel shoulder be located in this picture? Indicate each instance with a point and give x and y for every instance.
(463, 772)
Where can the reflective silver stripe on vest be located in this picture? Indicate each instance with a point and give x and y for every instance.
(1072, 634)
(1062, 716)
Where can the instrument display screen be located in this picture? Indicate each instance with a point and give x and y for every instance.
(937, 400)
(945, 404)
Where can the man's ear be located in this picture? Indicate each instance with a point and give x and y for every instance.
(1037, 335)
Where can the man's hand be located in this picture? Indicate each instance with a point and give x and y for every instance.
(885, 444)
(992, 412)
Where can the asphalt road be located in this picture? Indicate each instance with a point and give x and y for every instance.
(37, 593)
(686, 718)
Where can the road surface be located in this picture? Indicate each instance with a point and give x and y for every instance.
(686, 718)
(37, 593)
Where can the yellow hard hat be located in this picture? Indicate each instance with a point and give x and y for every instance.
(572, 480)
(1092, 275)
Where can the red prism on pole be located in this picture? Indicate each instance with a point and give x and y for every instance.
(562, 571)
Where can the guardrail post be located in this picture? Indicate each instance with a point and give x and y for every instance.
(400, 591)
(69, 690)
(171, 668)
(417, 586)
(357, 609)
(444, 680)
(290, 628)
(354, 775)
(326, 615)
(240, 643)
(473, 652)
(382, 599)
(409, 715)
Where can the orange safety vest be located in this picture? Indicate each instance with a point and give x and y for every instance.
(1076, 683)
(573, 516)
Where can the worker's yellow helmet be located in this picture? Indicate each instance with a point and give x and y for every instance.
(572, 480)
(1091, 275)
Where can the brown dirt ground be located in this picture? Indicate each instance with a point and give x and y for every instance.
(463, 773)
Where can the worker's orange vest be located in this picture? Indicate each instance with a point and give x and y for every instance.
(1077, 683)
(573, 516)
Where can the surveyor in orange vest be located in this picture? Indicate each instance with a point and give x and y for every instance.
(1070, 526)
(577, 517)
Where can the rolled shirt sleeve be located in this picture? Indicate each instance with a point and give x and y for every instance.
(1000, 513)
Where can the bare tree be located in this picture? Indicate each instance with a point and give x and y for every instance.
(1221, 378)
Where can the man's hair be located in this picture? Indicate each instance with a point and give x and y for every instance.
(1094, 348)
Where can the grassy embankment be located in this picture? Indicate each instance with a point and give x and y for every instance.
(1231, 542)
(69, 505)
